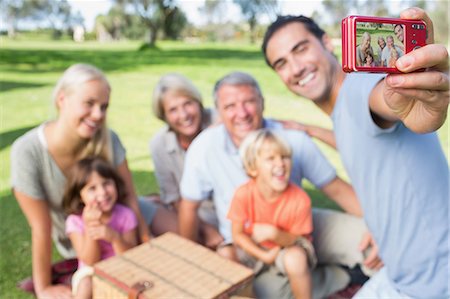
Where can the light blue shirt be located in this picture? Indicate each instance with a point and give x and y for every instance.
(213, 168)
(402, 180)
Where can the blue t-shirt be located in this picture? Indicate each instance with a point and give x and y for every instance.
(213, 168)
(402, 181)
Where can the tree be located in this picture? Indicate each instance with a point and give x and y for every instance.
(174, 22)
(214, 10)
(252, 10)
(12, 11)
(118, 23)
(373, 8)
(338, 9)
(56, 12)
(156, 15)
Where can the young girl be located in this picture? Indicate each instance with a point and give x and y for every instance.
(369, 61)
(271, 218)
(99, 225)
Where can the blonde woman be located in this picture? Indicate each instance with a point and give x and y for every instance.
(42, 158)
(178, 103)
(363, 49)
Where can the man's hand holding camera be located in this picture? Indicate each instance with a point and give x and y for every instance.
(420, 99)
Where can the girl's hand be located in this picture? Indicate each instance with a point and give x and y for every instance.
(91, 214)
(271, 255)
(102, 232)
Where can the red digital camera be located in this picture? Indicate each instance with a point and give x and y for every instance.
(373, 44)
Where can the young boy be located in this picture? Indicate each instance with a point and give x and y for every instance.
(271, 218)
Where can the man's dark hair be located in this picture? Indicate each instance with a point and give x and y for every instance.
(282, 21)
(400, 25)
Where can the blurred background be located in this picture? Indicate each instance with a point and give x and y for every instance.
(188, 20)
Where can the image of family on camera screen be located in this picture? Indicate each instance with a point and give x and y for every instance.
(230, 178)
(388, 48)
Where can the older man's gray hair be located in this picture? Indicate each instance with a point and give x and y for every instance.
(236, 79)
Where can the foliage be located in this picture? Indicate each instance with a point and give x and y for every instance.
(174, 22)
(54, 14)
(253, 10)
(157, 15)
(120, 24)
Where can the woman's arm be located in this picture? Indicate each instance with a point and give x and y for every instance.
(165, 172)
(87, 248)
(38, 216)
(132, 202)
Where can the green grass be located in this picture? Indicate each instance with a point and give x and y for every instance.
(29, 70)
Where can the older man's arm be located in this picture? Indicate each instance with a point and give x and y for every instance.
(188, 221)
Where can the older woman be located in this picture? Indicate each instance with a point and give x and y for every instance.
(178, 103)
(41, 159)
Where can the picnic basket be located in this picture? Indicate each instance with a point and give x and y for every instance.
(169, 266)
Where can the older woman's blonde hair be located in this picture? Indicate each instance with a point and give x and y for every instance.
(250, 148)
(72, 78)
(176, 84)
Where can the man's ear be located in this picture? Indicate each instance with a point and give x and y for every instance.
(327, 43)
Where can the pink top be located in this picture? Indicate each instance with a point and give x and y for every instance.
(122, 220)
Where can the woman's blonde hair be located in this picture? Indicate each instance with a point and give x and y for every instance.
(71, 79)
(177, 84)
(250, 148)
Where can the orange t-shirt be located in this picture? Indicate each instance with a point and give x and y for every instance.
(290, 212)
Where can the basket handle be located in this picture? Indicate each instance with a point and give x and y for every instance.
(138, 288)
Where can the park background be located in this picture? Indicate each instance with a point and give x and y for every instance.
(204, 40)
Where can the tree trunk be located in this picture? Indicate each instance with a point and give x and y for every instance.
(153, 35)
(252, 25)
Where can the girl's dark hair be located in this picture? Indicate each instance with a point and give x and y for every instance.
(78, 178)
(282, 21)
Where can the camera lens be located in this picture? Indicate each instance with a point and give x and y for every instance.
(416, 47)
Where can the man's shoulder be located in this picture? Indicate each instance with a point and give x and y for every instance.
(210, 136)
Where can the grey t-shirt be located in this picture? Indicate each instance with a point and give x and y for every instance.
(36, 174)
(168, 158)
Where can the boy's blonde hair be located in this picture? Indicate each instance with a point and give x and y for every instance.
(250, 148)
(100, 144)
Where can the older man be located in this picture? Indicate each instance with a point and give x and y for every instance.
(386, 53)
(213, 169)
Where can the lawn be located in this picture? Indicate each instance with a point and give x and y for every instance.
(29, 71)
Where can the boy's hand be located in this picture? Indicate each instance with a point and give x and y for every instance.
(270, 255)
(263, 232)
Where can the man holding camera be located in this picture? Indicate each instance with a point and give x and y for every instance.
(385, 133)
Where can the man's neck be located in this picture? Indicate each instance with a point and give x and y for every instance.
(327, 104)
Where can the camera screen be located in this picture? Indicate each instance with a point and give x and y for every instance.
(378, 44)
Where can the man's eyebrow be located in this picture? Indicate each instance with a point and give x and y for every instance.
(295, 47)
